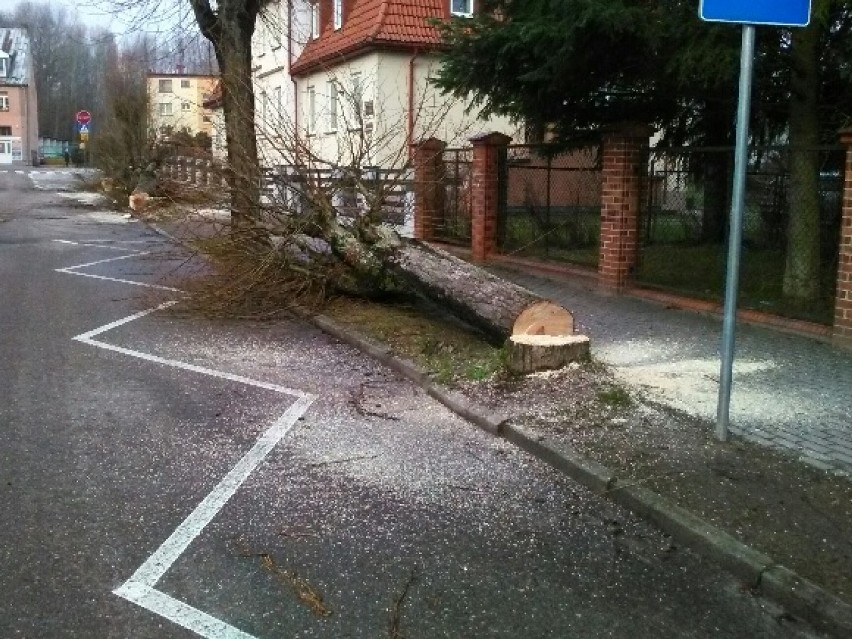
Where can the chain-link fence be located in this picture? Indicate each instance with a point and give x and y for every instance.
(454, 225)
(791, 226)
(550, 204)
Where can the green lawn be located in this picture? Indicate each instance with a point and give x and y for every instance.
(700, 271)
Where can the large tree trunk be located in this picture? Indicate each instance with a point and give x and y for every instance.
(497, 307)
(230, 29)
(802, 269)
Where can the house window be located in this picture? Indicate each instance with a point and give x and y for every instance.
(164, 86)
(331, 125)
(461, 7)
(5, 130)
(357, 99)
(312, 110)
(279, 105)
(185, 107)
(165, 108)
(185, 84)
(4, 101)
(4, 68)
(338, 13)
(315, 20)
(206, 119)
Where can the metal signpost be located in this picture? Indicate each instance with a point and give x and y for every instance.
(781, 13)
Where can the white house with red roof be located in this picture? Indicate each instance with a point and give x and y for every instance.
(360, 73)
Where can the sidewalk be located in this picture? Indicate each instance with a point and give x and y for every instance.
(791, 393)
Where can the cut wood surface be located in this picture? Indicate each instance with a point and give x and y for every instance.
(488, 302)
(531, 353)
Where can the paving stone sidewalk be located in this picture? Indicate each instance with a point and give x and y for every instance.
(790, 392)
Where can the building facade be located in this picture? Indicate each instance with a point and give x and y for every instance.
(176, 103)
(283, 28)
(18, 99)
(365, 74)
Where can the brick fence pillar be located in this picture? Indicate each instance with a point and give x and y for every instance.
(843, 302)
(485, 192)
(623, 162)
(181, 163)
(428, 187)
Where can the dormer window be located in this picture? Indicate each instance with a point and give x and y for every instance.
(461, 8)
(337, 11)
(4, 65)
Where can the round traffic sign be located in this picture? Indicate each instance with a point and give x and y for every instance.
(83, 117)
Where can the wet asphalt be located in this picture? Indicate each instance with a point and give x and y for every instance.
(378, 513)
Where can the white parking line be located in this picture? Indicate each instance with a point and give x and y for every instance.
(73, 270)
(92, 243)
(140, 588)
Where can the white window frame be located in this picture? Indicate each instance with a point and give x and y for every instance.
(315, 20)
(279, 105)
(311, 105)
(337, 13)
(185, 107)
(162, 84)
(4, 102)
(4, 67)
(165, 109)
(357, 80)
(462, 13)
(331, 111)
(186, 84)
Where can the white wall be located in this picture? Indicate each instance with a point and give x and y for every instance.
(273, 47)
(385, 78)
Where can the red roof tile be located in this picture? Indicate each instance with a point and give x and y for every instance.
(372, 23)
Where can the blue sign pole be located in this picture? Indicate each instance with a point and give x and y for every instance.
(784, 13)
(736, 232)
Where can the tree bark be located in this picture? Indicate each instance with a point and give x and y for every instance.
(230, 29)
(486, 301)
(802, 268)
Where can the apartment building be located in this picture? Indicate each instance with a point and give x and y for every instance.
(18, 99)
(176, 102)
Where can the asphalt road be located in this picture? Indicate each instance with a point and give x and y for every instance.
(167, 476)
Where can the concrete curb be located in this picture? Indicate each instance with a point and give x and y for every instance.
(823, 610)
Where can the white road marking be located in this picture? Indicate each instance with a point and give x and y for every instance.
(149, 573)
(189, 367)
(83, 337)
(178, 612)
(73, 270)
(90, 243)
(139, 589)
(68, 269)
(118, 279)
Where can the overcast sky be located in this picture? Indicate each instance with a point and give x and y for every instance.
(157, 15)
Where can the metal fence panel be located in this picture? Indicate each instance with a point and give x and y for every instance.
(455, 223)
(789, 215)
(551, 204)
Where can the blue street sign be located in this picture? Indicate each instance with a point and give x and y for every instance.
(779, 13)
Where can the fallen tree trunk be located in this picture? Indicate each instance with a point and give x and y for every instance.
(497, 307)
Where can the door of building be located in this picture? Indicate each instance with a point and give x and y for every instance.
(5, 152)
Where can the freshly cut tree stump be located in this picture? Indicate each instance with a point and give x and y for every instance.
(531, 353)
(538, 333)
